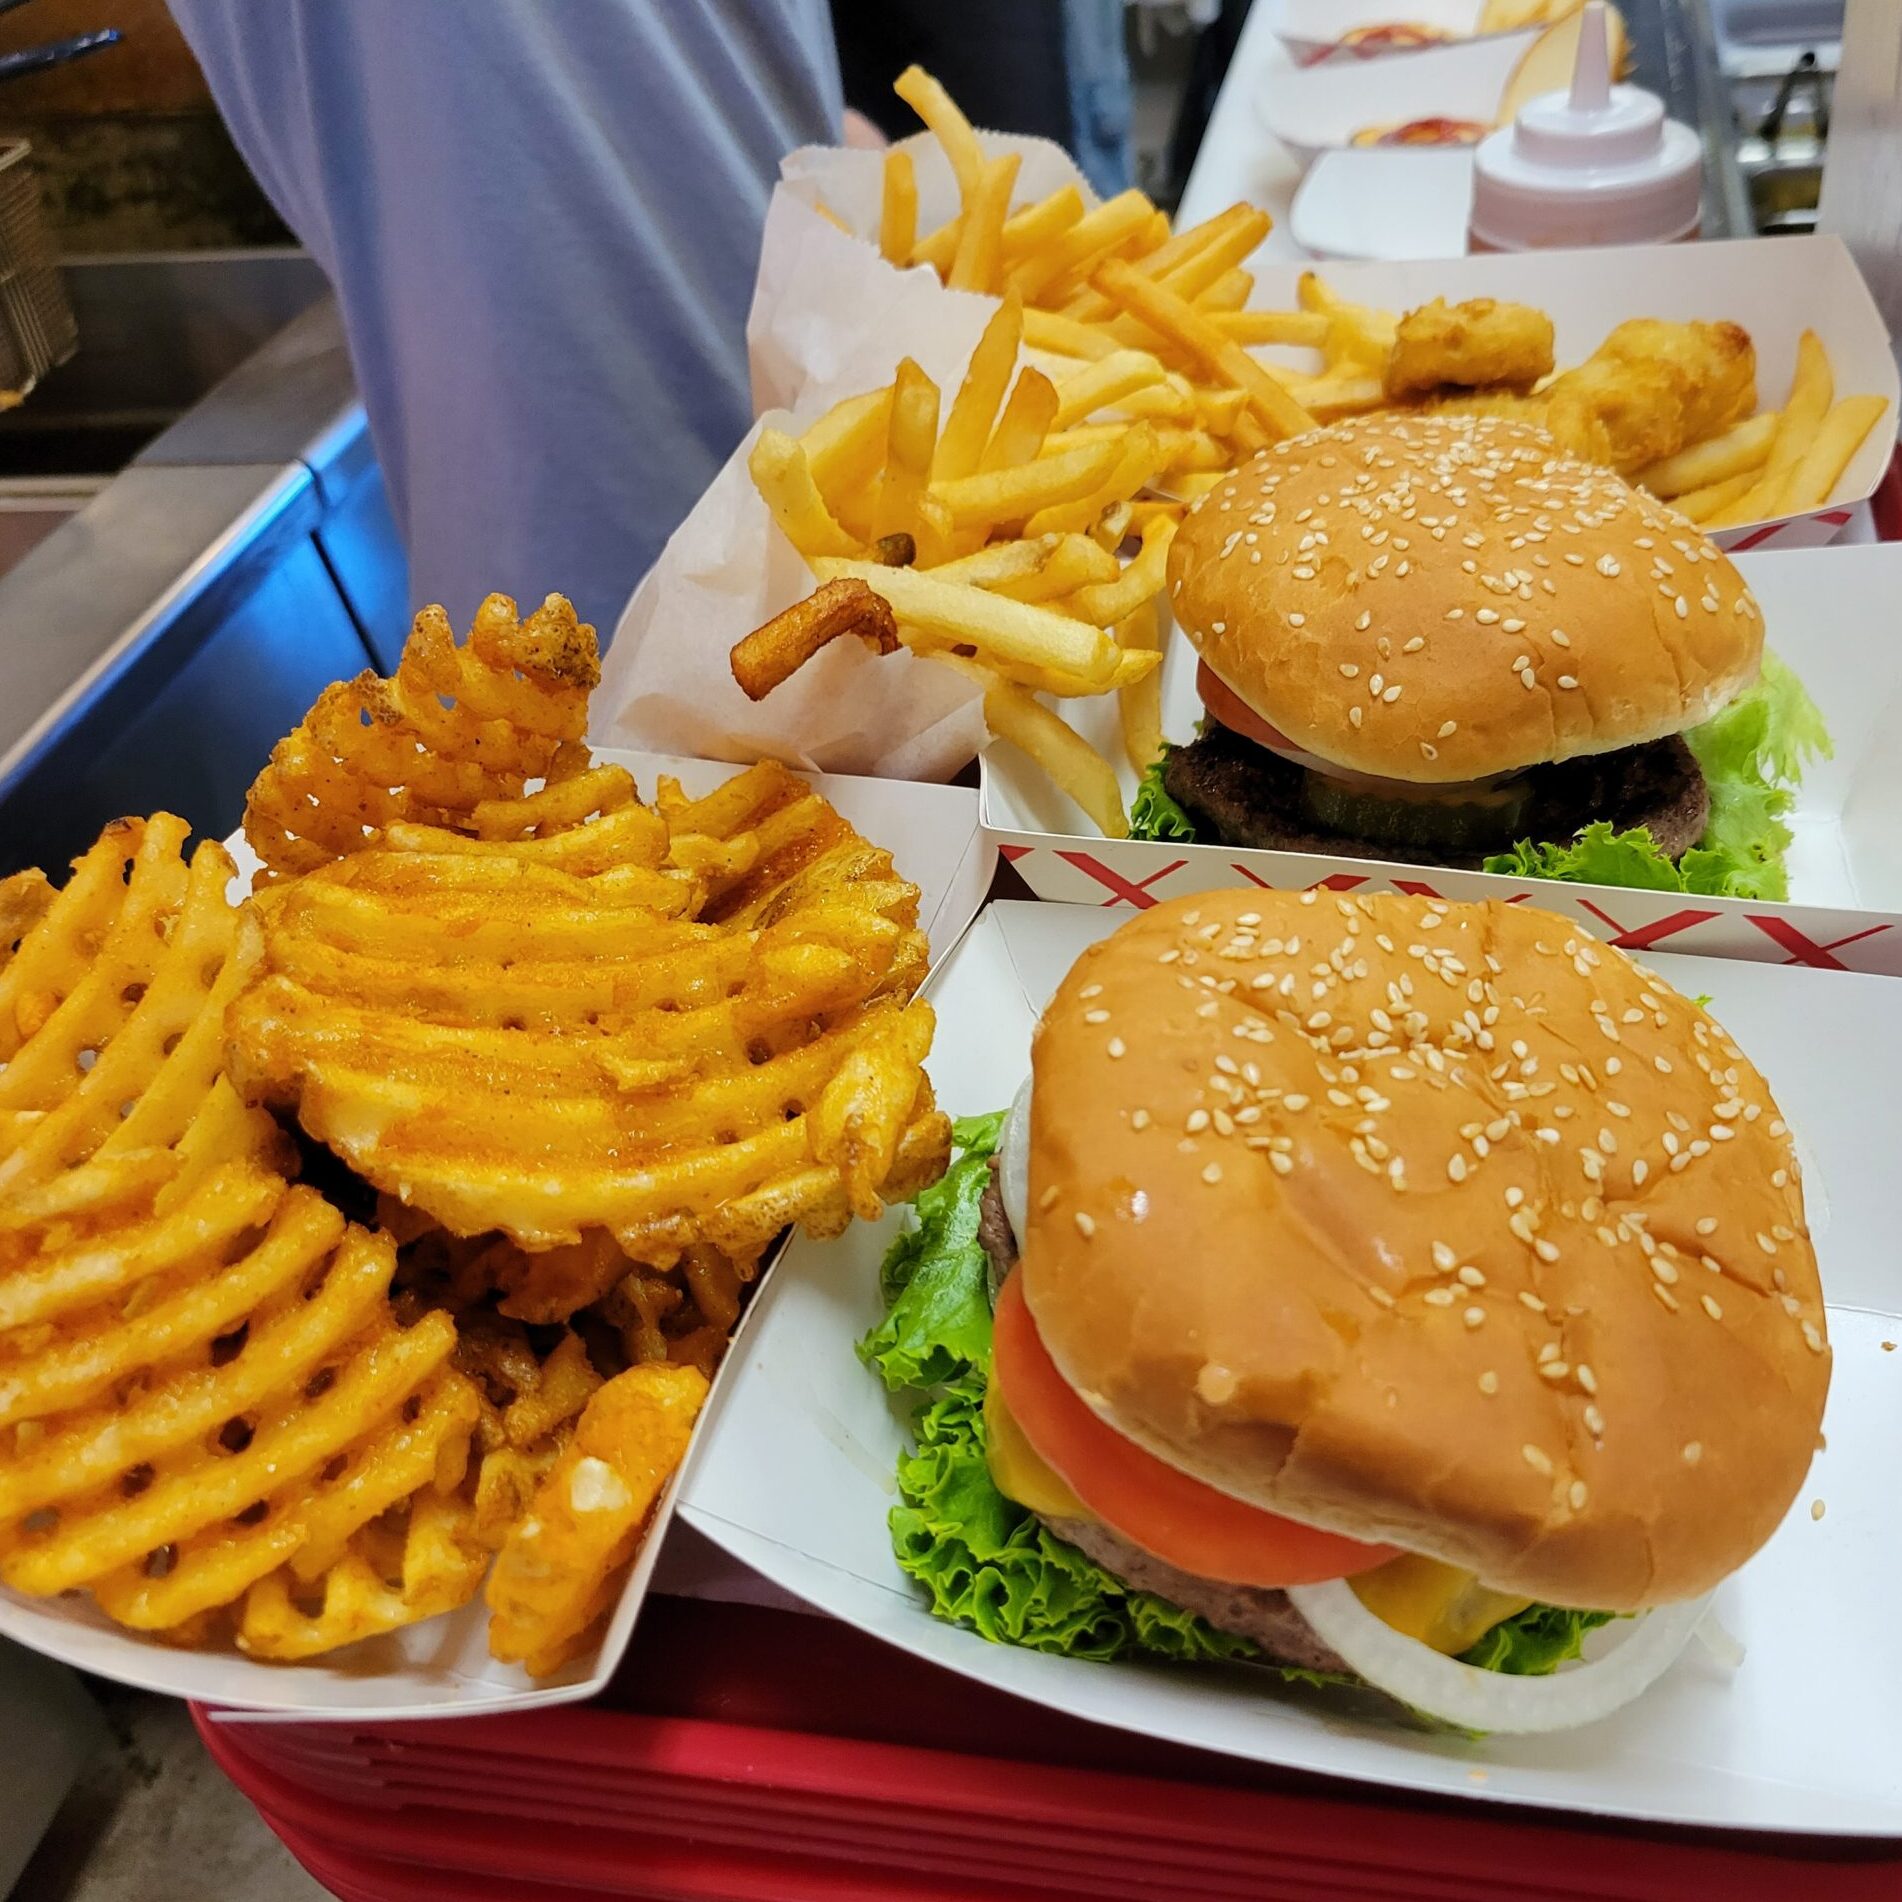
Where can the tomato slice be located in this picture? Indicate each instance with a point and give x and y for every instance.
(1227, 708)
(1181, 1520)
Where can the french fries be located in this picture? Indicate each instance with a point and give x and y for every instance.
(898, 208)
(1072, 763)
(1811, 392)
(1736, 452)
(1835, 442)
(775, 652)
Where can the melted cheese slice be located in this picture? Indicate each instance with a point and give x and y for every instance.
(1438, 1604)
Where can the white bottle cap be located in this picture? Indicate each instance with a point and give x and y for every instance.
(1600, 164)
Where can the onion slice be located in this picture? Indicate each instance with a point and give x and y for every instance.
(1463, 1694)
(1013, 1164)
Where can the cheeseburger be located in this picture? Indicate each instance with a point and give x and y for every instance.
(1375, 1270)
(1429, 637)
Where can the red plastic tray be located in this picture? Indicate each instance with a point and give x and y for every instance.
(763, 1756)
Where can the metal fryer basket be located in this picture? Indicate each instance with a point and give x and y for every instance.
(37, 329)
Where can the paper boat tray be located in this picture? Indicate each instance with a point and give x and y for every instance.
(1831, 614)
(442, 1666)
(795, 1476)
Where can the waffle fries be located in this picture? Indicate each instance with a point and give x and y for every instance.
(595, 1054)
(212, 1420)
(456, 726)
(514, 1047)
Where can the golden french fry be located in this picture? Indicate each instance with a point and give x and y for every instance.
(1073, 764)
(938, 248)
(980, 244)
(1139, 704)
(1065, 337)
(1840, 436)
(1009, 495)
(781, 474)
(1091, 237)
(1336, 392)
(1243, 229)
(1112, 528)
(1130, 670)
(1172, 400)
(898, 207)
(1218, 409)
(1109, 602)
(1042, 222)
(986, 378)
(1130, 463)
(1699, 505)
(1105, 385)
(909, 444)
(1359, 337)
(934, 614)
(1253, 328)
(1229, 292)
(1811, 391)
(846, 446)
(1001, 562)
(1094, 307)
(775, 652)
(1074, 562)
(1167, 314)
(1717, 459)
(1160, 508)
(1024, 424)
(947, 124)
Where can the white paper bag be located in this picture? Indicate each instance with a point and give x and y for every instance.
(830, 319)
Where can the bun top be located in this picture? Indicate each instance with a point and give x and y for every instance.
(1438, 1224)
(1442, 598)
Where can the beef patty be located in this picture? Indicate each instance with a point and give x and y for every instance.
(1238, 793)
(1265, 1618)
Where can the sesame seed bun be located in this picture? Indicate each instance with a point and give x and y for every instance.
(1413, 1221)
(1444, 598)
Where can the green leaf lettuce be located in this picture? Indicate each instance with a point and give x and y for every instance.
(1752, 755)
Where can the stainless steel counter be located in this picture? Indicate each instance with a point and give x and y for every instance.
(156, 645)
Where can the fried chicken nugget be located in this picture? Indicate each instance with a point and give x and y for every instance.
(1650, 389)
(1480, 344)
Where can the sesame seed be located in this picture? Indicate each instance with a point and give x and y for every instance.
(1489, 1382)
(1048, 1200)
(1349, 670)
(1576, 1494)
(1448, 728)
(1140, 1120)
(1537, 1458)
(1085, 1224)
(1116, 1047)
(1281, 1164)
(1471, 1277)
(1096, 1016)
(1812, 1337)
(1212, 1173)
(1711, 1308)
(1693, 1452)
(1439, 1297)
(1474, 1317)
(1528, 1299)
(1817, 1509)
(1456, 1168)
(1198, 1121)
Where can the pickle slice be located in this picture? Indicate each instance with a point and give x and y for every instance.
(1471, 820)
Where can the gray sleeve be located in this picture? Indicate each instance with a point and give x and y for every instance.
(542, 222)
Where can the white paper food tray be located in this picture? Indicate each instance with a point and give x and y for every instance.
(1776, 288)
(795, 1472)
(1313, 29)
(1314, 108)
(1830, 614)
(442, 1667)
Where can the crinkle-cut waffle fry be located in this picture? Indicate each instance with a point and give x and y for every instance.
(456, 726)
(559, 1570)
(674, 1053)
(202, 1385)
